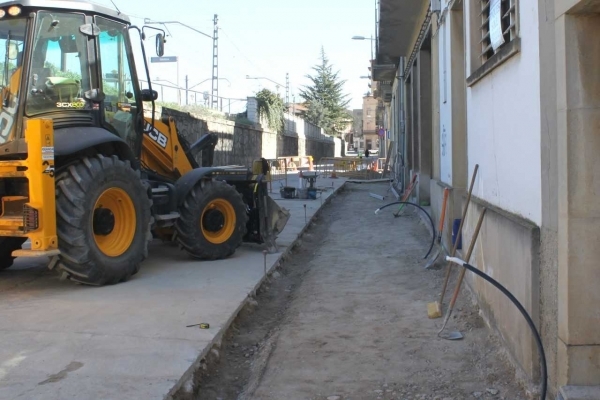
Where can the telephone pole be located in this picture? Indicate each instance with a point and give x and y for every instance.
(215, 69)
(287, 89)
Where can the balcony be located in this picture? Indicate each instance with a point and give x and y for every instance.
(399, 25)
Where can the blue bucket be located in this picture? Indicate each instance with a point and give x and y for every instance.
(455, 227)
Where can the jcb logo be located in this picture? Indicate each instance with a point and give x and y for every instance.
(158, 137)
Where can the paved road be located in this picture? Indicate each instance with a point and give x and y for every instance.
(129, 341)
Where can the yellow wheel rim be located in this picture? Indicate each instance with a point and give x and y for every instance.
(218, 221)
(114, 222)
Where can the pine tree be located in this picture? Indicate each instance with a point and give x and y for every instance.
(324, 99)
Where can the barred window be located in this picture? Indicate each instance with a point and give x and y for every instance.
(507, 29)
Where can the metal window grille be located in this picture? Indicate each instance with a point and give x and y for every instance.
(509, 26)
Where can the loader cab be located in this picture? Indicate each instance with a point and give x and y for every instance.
(73, 62)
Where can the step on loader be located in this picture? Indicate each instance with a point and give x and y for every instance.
(85, 176)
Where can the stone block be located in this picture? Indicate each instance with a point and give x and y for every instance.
(578, 299)
(579, 393)
(578, 365)
(583, 163)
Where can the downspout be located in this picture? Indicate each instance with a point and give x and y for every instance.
(402, 124)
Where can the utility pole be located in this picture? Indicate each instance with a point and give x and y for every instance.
(187, 96)
(215, 71)
(287, 90)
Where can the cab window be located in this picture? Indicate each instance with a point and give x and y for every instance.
(117, 85)
(12, 34)
(60, 68)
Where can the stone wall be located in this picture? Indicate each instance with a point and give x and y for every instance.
(241, 144)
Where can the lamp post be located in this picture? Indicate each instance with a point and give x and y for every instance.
(172, 83)
(215, 67)
(287, 85)
(188, 88)
(365, 38)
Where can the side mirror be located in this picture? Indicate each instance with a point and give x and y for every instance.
(148, 95)
(160, 45)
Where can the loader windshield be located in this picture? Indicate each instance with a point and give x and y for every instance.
(12, 34)
(60, 71)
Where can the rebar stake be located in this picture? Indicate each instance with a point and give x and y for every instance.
(305, 214)
(265, 254)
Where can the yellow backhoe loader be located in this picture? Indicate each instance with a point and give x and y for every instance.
(85, 175)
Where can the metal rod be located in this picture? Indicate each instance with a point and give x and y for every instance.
(459, 234)
(463, 271)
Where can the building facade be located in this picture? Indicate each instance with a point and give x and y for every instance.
(369, 129)
(510, 87)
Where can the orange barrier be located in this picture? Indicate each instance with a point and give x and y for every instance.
(351, 167)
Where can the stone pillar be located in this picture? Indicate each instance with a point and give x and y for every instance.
(578, 131)
(435, 101)
(425, 140)
(458, 90)
(252, 108)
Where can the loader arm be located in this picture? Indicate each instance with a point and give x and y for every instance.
(162, 152)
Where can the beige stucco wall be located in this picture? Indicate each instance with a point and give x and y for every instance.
(507, 249)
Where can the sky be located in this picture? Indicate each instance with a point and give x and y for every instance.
(260, 38)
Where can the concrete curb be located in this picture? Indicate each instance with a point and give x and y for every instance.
(184, 385)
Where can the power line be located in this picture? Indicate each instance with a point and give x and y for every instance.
(240, 51)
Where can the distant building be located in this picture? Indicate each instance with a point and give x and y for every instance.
(357, 126)
(370, 139)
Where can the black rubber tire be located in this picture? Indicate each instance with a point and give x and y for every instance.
(7, 246)
(189, 232)
(77, 190)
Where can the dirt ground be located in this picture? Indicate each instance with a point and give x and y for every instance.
(346, 318)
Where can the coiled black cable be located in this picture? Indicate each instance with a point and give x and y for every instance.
(420, 208)
(512, 298)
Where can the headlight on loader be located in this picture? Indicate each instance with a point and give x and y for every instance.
(14, 11)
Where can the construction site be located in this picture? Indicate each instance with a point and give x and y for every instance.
(436, 244)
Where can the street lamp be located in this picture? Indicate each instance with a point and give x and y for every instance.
(197, 84)
(172, 83)
(215, 68)
(287, 85)
(260, 77)
(365, 38)
(148, 21)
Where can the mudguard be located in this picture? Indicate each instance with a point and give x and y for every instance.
(72, 140)
(189, 180)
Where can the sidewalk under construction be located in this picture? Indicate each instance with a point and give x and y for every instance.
(345, 317)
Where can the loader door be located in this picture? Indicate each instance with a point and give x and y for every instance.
(12, 36)
(122, 106)
(60, 69)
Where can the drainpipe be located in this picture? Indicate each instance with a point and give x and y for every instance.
(402, 124)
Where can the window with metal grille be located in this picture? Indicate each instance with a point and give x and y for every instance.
(507, 26)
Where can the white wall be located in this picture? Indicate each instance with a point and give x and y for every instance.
(445, 102)
(503, 125)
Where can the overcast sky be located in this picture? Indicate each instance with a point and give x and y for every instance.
(261, 38)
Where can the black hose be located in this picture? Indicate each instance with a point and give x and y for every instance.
(426, 213)
(512, 298)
